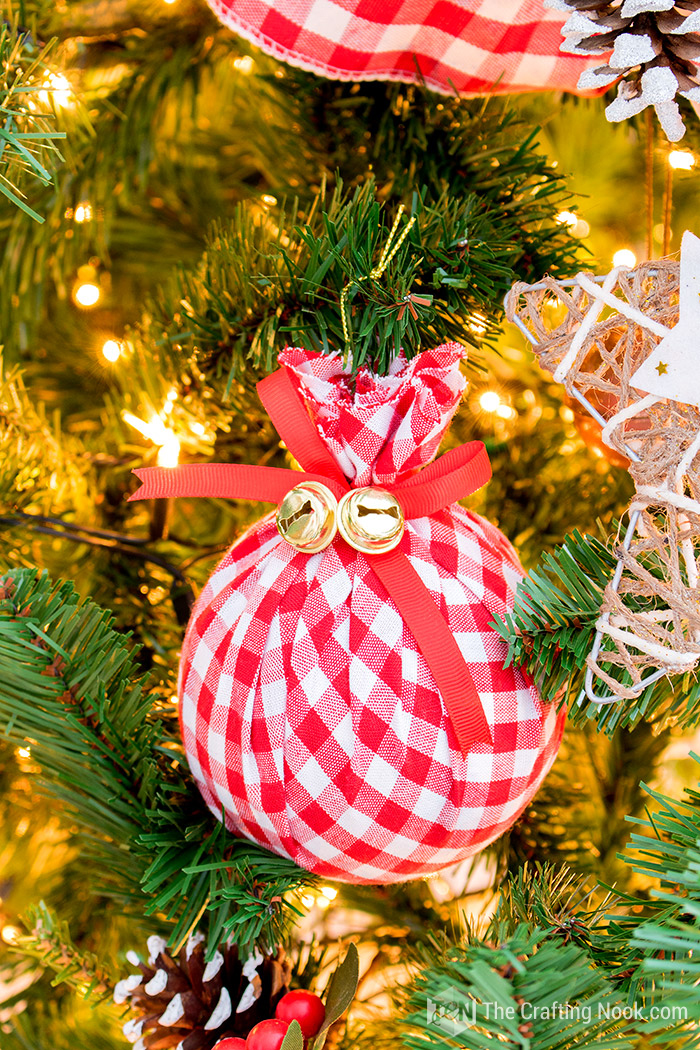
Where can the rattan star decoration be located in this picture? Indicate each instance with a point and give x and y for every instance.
(627, 347)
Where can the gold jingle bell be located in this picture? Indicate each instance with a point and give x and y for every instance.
(370, 520)
(306, 517)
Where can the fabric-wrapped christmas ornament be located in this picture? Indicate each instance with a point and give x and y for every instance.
(473, 47)
(343, 695)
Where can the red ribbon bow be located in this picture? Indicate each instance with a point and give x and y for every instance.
(453, 476)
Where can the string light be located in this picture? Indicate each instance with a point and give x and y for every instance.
(87, 294)
(329, 892)
(490, 401)
(267, 198)
(624, 257)
(244, 65)
(567, 218)
(169, 452)
(157, 432)
(24, 752)
(477, 324)
(578, 226)
(681, 159)
(10, 934)
(111, 350)
(83, 212)
(58, 88)
(198, 428)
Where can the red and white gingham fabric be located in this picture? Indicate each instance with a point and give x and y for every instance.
(471, 46)
(309, 715)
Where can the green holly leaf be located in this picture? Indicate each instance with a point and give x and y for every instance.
(341, 992)
(294, 1039)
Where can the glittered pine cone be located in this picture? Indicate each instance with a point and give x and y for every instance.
(190, 1004)
(655, 46)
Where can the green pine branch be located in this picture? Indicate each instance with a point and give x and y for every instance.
(41, 468)
(553, 969)
(551, 630)
(515, 993)
(71, 692)
(52, 1025)
(410, 137)
(266, 280)
(28, 134)
(49, 942)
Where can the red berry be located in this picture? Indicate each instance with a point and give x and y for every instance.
(268, 1035)
(231, 1042)
(304, 1007)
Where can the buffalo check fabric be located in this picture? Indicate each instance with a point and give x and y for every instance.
(309, 717)
(469, 46)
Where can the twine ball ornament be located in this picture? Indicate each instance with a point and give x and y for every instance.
(638, 368)
(310, 715)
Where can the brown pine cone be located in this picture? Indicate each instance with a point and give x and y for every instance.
(189, 1004)
(656, 51)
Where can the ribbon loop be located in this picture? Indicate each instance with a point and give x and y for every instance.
(453, 476)
(296, 427)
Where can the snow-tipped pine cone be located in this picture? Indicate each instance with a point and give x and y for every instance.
(189, 1004)
(655, 46)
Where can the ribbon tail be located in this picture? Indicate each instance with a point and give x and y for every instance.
(437, 644)
(224, 481)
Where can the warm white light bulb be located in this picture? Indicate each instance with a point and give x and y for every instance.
(624, 257)
(157, 432)
(111, 350)
(10, 934)
(244, 64)
(567, 218)
(83, 212)
(681, 159)
(477, 324)
(490, 401)
(59, 89)
(169, 451)
(87, 294)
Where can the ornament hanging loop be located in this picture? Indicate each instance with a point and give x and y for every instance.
(388, 252)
